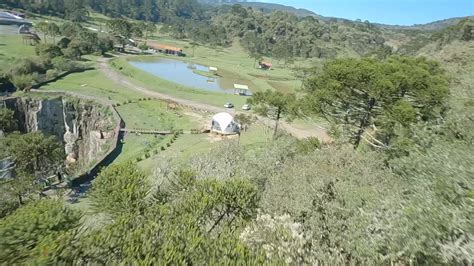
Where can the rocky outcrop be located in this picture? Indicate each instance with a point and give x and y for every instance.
(86, 128)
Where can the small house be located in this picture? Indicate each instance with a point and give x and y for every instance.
(167, 49)
(224, 124)
(264, 65)
(242, 90)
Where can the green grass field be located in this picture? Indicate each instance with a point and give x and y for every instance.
(12, 48)
(154, 115)
(188, 146)
(93, 83)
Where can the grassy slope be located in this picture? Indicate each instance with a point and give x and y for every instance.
(153, 115)
(12, 48)
(458, 59)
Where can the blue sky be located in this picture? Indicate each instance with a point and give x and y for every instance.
(401, 12)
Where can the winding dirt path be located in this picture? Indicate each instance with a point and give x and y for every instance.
(120, 79)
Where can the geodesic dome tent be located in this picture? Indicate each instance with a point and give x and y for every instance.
(223, 123)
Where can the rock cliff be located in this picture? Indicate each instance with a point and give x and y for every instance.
(85, 128)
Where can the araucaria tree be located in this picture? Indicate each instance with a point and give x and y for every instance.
(121, 29)
(274, 105)
(378, 101)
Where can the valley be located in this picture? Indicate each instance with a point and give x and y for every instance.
(354, 146)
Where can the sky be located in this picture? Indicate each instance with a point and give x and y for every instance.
(395, 12)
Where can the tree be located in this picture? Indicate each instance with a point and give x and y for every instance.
(150, 28)
(372, 99)
(8, 123)
(43, 27)
(71, 29)
(35, 156)
(188, 220)
(193, 45)
(439, 179)
(48, 51)
(75, 10)
(138, 29)
(271, 234)
(64, 42)
(121, 29)
(35, 153)
(104, 44)
(22, 81)
(73, 51)
(273, 105)
(343, 203)
(244, 120)
(53, 31)
(120, 189)
(281, 51)
(24, 231)
(63, 64)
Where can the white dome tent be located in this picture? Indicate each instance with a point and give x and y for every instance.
(223, 123)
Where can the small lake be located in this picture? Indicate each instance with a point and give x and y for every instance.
(183, 73)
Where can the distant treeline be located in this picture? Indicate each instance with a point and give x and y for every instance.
(279, 34)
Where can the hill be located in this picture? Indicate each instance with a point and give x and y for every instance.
(270, 7)
(432, 26)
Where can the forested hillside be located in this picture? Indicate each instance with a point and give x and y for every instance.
(278, 34)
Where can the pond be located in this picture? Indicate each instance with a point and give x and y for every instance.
(186, 74)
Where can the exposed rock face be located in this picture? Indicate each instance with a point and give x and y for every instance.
(84, 127)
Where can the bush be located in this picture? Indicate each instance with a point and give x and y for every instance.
(308, 145)
(48, 50)
(143, 47)
(64, 64)
(52, 73)
(64, 42)
(163, 148)
(22, 82)
(73, 51)
(27, 66)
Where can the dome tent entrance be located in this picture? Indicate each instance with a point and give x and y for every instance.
(223, 123)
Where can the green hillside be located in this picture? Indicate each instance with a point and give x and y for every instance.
(353, 147)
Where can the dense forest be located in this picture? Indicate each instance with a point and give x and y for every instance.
(394, 187)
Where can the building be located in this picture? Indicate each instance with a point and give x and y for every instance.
(7, 18)
(224, 124)
(242, 90)
(264, 65)
(167, 49)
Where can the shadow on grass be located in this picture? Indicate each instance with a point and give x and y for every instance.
(65, 74)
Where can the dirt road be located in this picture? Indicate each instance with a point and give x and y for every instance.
(118, 78)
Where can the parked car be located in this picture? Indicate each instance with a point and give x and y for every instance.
(246, 107)
(229, 105)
